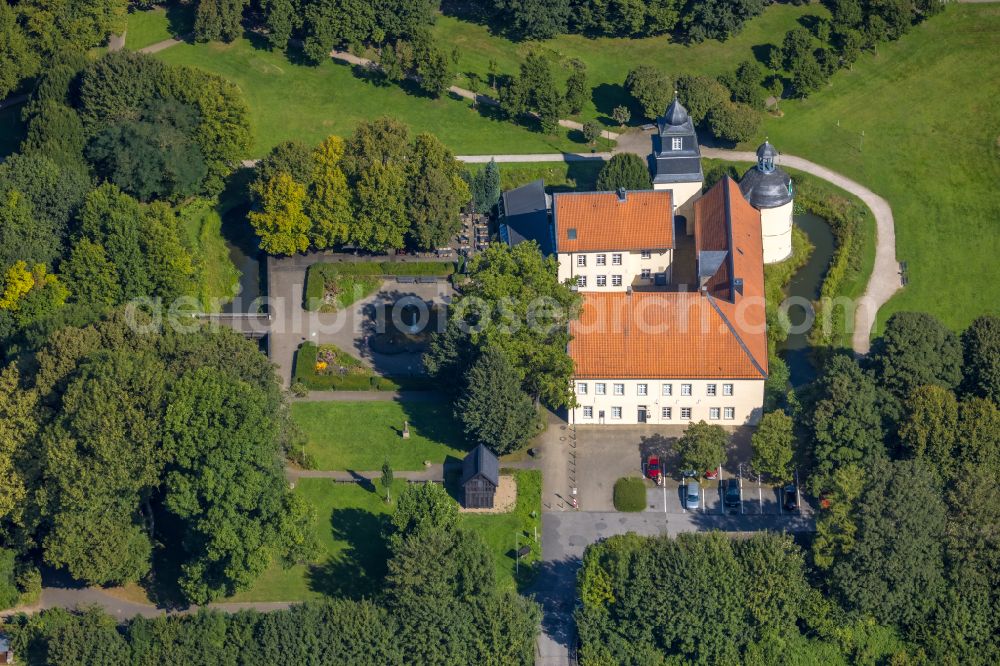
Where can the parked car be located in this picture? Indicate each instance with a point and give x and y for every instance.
(653, 470)
(712, 474)
(790, 501)
(692, 494)
(731, 493)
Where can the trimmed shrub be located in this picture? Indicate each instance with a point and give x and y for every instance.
(630, 494)
(319, 274)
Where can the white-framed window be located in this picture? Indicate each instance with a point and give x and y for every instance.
(676, 143)
(729, 413)
(600, 388)
(727, 389)
(667, 412)
(616, 259)
(616, 280)
(619, 389)
(581, 260)
(642, 389)
(685, 389)
(713, 413)
(581, 388)
(602, 259)
(602, 280)
(710, 389)
(616, 412)
(646, 254)
(588, 412)
(646, 273)
(581, 281)
(686, 413)
(668, 389)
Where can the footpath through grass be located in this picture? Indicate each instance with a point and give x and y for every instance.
(927, 107)
(609, 59)
(362, 435)
(292, 101)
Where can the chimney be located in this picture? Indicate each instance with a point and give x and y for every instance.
(621, 194)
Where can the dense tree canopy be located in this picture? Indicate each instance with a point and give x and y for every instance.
(514, 303)
(118, 428)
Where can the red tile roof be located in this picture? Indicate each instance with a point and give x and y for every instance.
(643, 221)
(693, 335)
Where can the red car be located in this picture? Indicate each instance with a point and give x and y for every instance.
(653, 470)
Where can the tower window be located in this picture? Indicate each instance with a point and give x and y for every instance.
(676, 143)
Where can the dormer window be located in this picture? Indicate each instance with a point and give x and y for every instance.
(676, 143)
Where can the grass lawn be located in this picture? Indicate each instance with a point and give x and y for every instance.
(362, 435)
(502, 530)
(158, 24)
(349, 521)
(11, 129)
(558, 176)
(609, 60)
(292, 101)
(927, 106)
(202, 225)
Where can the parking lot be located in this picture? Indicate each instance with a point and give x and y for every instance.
(757, 499)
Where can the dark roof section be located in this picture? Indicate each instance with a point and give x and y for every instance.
(525, 216)
(481, 461)
(766, 190)
(766, 151)
(676, 114)
(765, 185)
(682, 165)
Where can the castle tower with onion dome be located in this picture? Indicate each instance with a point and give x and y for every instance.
(677, 160)
(769, 190)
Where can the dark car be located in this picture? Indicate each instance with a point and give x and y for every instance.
(731, 493)
(790, 501)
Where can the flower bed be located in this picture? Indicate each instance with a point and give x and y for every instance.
(328, 368)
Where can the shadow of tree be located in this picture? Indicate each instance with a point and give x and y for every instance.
(607, 96)
(554, 588)
(357, 570)
(180, 21)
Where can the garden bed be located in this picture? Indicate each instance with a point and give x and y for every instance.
(343, 372)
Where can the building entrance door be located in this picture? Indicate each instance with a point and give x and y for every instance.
(642, 414)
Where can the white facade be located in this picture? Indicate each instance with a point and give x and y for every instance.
(684, 195)
(726, 402)
(776, 229)
(614, 270)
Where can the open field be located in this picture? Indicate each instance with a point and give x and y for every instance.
(362, 435)
(927, 107)
(292, 101)
(609, 60)
(158, 24)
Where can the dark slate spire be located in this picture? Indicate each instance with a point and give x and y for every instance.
(675, 147)
(675, 115)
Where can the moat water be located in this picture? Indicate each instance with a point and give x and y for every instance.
(806, 283)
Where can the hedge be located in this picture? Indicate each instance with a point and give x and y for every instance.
(318, 274)
(305, 372)
(630, 494)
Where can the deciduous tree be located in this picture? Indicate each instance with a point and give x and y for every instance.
(329, 206)
(702, 446)
(281, 223)
(624, 170)
(651, 88)
(773, 445)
